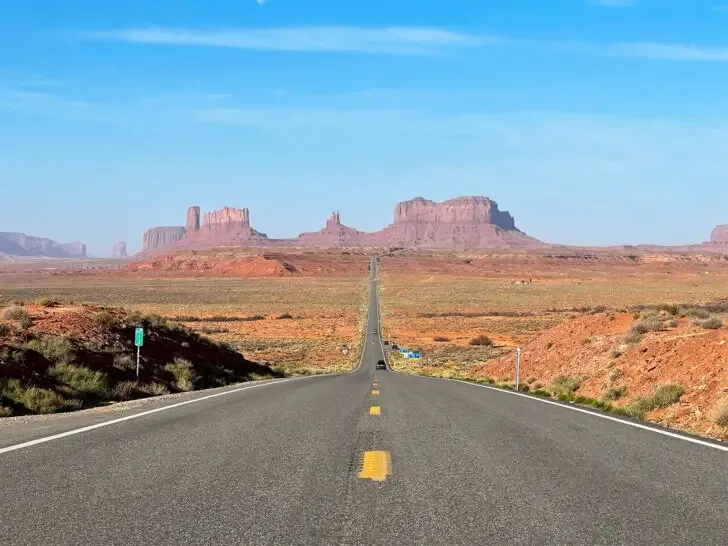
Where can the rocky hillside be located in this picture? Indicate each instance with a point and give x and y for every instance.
(60, 358)
(667, 363)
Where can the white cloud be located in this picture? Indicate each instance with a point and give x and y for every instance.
(613, 3)
(400, 40)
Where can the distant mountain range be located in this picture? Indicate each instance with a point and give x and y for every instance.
(22, 245)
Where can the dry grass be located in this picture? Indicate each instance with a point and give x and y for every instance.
(300, 323)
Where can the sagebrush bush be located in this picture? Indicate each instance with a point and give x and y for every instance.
(15, 312)
(35, 399)
(184, 374)
(696, 313)
(614, 393)
(124, 362)
(721, 415)
(105, 319)
(55, 348)
(712, 323)
(46, 302)
(88, 383)
(667, 395)
(4, 330)
(633, 338)
(124, 390)
(481, 340)
(565, 385)
(441, 338)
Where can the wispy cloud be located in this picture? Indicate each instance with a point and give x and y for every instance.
(613, 3)
(399, 40)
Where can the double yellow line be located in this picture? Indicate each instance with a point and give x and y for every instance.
(375, 465)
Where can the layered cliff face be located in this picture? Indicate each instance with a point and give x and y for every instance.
(161, 239)
(119, 250)
(20, 244)
(720, 235)
(464, 222)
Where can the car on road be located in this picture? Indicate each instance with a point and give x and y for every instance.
(381, 365)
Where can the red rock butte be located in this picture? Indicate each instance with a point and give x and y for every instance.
(461, 223)
(720, 235)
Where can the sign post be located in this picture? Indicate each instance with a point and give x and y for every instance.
(518, 367)
(138, 341)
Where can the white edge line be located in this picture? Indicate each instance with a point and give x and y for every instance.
(595, 414)
(144, 413)
(179, 404)
(565, 406)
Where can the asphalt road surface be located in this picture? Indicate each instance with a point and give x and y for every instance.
(308, 461)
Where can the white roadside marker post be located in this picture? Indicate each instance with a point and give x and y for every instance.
(518, 368)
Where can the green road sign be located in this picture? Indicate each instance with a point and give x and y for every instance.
(139, 337)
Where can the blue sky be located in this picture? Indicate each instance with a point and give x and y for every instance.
(593, 122)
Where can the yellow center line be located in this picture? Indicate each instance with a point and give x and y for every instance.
(376, 465)
(375, 392)
(375, 410)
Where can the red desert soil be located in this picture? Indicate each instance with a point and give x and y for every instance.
(589, 347)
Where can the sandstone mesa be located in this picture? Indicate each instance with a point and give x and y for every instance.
(461, 223)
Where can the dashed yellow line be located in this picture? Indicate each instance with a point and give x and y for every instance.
(376, 466)
(375, 392)
(375, 410)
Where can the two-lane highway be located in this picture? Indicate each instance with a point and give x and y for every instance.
(309, 461)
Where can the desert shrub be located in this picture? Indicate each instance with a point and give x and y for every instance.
(481, 340)
(664, 396)
(36, 400)
(46, 302)
(5, 412)
(153, 389)
(124, 362)
(530, 380)
(55, 348)
(615, 353)
(285, 316)
(650, 323)
(4, 330)
(616, 374)
(614, 393)
(441, 338)
(633, 338)
(667, 395)
(586, 341)
(541, 392)
(712, 323)
(105, 319)
(674, 323)
(88, 383)
(524, 387)
(549, 345)
(565, 386)
(124, 390)
(184, 375)
(696, 313)
(15, 312)
(669, 308)
(721, 415)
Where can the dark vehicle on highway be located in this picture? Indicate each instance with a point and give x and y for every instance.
(381, 365)
(385, 342)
